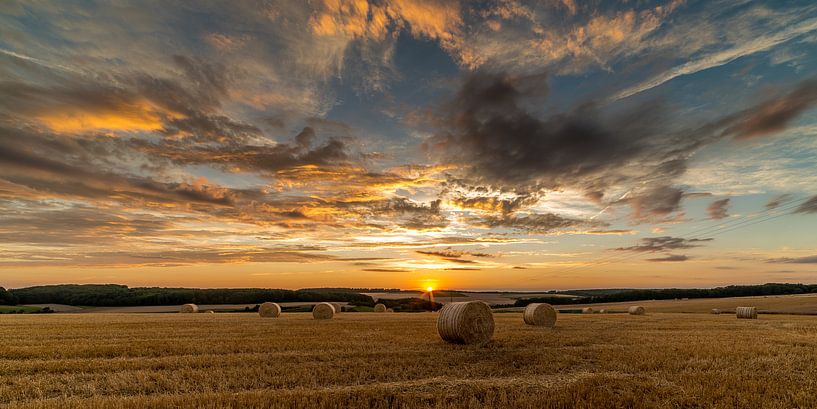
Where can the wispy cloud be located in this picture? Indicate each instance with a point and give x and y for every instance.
(752, 46)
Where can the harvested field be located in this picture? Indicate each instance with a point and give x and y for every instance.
(789, 304)
(228, 360)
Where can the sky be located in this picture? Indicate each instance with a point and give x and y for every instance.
(487, 145)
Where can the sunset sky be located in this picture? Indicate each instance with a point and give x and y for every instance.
(405, 143)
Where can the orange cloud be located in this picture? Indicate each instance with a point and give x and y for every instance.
(134, 116)
(360, 19)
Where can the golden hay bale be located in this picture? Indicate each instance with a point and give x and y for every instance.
(390, 310)
(269, 310)
(338, 307)
(636, 310)
(323, 311)
(380, 307)
(602, 311)
(746, 312)
(189, 308)
(587, 310)
(716, 311)
(210, 312)
(468, 322)
(540, 314)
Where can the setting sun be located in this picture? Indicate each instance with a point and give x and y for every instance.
(429, 288)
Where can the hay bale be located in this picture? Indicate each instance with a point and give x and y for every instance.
(389, 309)
(587, 310)
(323, 311)
(636, 310)
(189, 309)
(540, 314)
(210, 312)
(269, 310)
(715, 311)
(380, 307)
(468, 322)
(746, 313)
(338, 307)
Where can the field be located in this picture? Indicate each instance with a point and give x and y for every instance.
(789, 304)
(8, 309)
(397, 360)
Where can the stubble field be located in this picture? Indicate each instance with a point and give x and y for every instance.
(397, 360)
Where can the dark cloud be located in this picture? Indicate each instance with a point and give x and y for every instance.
(496, 204)
(718, 209)
(52, 166)
(655, 203)
(490, 130)
(664, 243)
(454, 256)
(409, 214)
(451, 253)
(386, 270)
(795, 260)
(776, 201)
(255, 158)
(774, 114)
(669, 258)
(533, 223)
(495, 132)
(809, 206)
(169, 258)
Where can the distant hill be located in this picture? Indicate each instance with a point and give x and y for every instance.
(606, 296)
(114, 295)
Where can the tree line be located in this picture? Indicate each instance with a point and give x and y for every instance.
(113, 295)
(673, 293)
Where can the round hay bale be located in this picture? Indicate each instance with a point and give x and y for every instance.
(380, 307)
(323, 311)
(338, 307)
(602, 311)
(468, 322)
(189, 308)
(746, 312)
(389, 309)
(587, 310)
(716, 311)
(210, 312)
(269, 310)
(540, 314)
(636, 310)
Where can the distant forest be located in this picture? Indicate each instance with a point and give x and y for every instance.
(602, 296)
(112, 295)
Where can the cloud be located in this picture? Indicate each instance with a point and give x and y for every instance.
(663, 243)
(795, 260)
(655, 203)
(669, 258)
(776, 201)
(809, 206)
(774, 114)
(718, 209)
(489, 131)
(454, 256)
(722, 57)
(237, 157)
(532, 223)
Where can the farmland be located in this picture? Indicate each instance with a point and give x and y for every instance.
(397, 360)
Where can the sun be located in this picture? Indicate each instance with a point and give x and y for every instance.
(429, 288)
